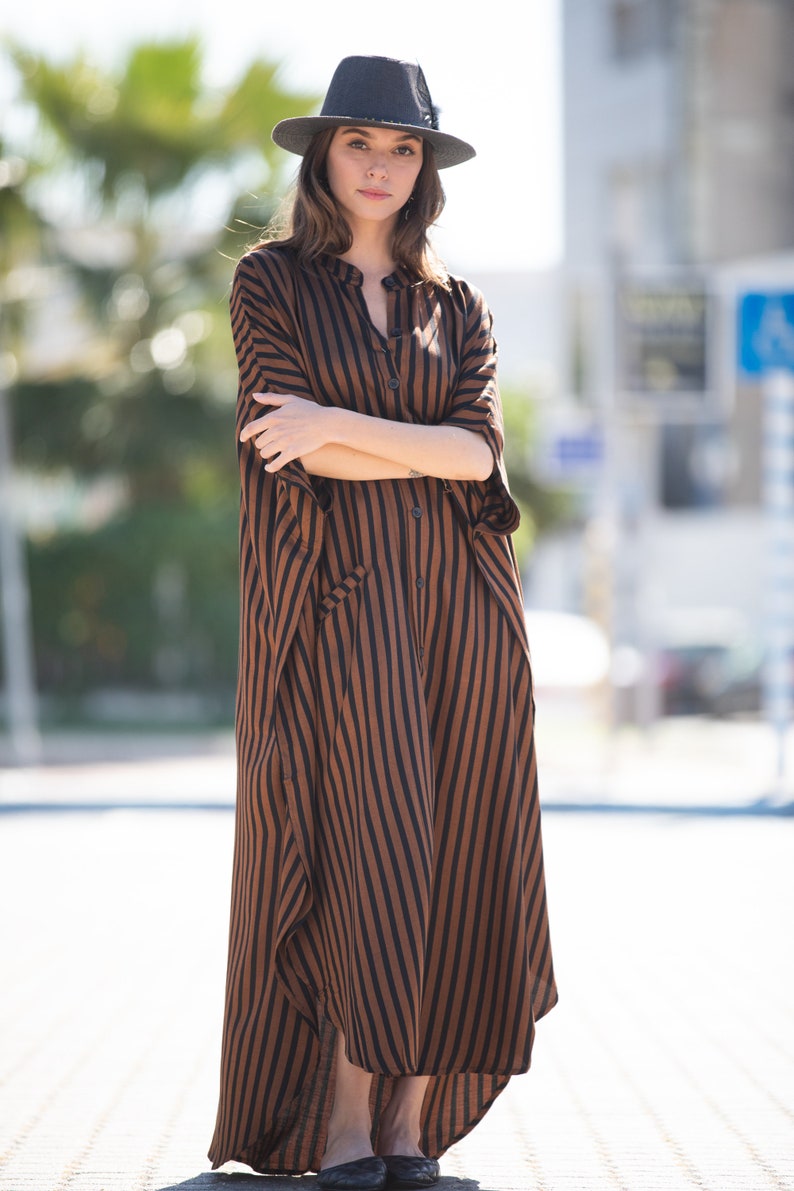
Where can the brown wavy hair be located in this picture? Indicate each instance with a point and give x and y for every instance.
(310, 221)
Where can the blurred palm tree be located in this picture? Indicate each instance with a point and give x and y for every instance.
(132, 198)
(144, 199)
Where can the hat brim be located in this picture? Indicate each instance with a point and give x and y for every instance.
(295, 134)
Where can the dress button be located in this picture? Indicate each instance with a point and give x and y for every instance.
(420, 582)
(394, 383)
(388, 282)
(396, 332)
(416, 511)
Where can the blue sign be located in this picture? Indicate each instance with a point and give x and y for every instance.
(766, 332)
(577, 452)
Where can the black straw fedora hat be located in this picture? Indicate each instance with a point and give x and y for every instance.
(377, 91)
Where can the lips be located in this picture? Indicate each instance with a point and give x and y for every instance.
(375, 194)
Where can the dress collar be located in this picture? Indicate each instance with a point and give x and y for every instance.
(349, 275)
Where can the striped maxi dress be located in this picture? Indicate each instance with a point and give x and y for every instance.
(388, 868)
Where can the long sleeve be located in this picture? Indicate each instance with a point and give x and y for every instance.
(268, 359)
(281, 514)
(476, 405)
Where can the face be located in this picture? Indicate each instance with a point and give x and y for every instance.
(372, 171)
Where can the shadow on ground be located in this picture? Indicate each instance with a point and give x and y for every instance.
(217, 1181)
(757, 809)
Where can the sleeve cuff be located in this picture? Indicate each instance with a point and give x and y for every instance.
(487, 506)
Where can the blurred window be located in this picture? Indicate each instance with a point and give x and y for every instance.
(640, 27)
(697, 465)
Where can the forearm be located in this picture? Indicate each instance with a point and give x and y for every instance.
(448, 452)
(338, 462)
(343, 444)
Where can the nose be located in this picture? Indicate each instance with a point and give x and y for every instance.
(378, 167)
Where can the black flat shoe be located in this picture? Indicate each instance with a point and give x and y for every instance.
(365, 1174)
(411, 1172)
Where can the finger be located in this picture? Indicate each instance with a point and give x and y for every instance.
(255, 427)
(272, 398)
(278, 460)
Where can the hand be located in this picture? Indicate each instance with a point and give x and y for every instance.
(291, 428)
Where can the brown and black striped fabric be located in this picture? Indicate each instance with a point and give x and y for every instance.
(388, 869)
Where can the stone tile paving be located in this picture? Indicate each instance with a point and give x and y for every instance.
(669, 1062)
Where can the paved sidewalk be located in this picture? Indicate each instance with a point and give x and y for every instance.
(669, 1062)
(687, 764)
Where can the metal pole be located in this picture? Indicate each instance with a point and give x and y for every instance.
(17, 639)
(778, 497)
(607, 512)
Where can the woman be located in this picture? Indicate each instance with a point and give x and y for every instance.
(389, 948)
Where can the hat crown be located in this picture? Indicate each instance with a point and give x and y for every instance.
(385, 90)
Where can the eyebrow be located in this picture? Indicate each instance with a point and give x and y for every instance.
(406, 136)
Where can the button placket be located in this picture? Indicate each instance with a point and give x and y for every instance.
(390, 351)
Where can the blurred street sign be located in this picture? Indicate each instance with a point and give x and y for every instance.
(573, 454)
(662, 337)
(765, 332)
(577, 452)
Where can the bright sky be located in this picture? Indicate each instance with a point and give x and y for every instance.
(492, 68)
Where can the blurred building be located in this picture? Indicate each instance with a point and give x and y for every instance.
(679, 129)
(678, 171)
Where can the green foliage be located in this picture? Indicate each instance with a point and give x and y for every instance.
(157, 440)
(121, 215)
(541, 506)
(155, 121)
(148, 601)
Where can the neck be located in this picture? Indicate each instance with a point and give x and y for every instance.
(371, 250)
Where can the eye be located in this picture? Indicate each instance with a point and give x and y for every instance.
(356, 143)
(406, 151)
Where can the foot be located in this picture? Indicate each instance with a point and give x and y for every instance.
(398, 1141)
(400, 1125)
(347, 1146)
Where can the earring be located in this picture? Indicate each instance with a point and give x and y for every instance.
(408, 209)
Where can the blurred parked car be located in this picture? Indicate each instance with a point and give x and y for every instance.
(689, 677)
(716, 668)
(739, 689)
(692, 658)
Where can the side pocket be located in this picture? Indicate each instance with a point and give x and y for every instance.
(338, 667)
(338, 594)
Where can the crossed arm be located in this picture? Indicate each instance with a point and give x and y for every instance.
(344, 445)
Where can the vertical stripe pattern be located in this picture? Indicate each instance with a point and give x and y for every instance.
(388, 868)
